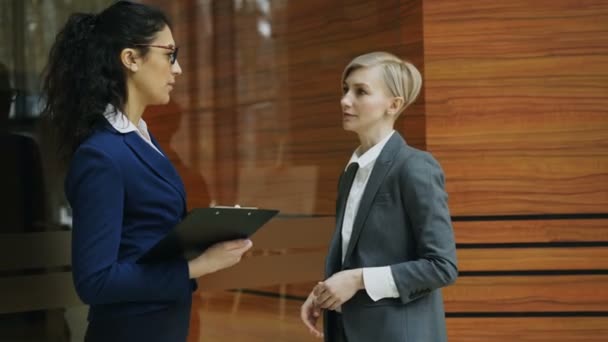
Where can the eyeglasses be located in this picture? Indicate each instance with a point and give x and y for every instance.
(172, 56)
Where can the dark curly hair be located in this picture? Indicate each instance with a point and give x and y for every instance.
(84, 72)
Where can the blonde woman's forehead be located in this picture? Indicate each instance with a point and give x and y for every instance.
(370, 76)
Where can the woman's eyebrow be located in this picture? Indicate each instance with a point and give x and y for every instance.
(362, 85)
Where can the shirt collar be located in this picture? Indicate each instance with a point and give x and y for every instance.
(370, 156)
(121, 122)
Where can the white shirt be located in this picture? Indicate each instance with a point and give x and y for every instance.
(122, 124)
(379, 282)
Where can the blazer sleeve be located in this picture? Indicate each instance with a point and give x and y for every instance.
(95, 190)
(425, 204)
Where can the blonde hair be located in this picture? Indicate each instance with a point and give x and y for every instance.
(401, 77)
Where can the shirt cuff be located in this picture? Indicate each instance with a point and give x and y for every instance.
(379, 283)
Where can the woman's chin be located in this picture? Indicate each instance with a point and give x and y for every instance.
(347, 126)
(161, 100)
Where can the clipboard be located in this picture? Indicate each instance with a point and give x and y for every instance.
(203, 227)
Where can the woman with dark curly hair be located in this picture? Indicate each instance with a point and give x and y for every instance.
(103, 71)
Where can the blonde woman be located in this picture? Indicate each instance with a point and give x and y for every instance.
(393, 248)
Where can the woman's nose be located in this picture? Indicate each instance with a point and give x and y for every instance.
(176, 69)
(345, 101)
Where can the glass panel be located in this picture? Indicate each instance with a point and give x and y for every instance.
(32, 192)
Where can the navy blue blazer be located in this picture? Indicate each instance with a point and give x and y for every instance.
(125, 197)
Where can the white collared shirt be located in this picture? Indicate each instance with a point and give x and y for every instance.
(122, 124)
(379, 281)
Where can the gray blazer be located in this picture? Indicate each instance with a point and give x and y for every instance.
(403, 221)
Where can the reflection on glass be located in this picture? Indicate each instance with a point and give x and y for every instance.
(34, 215)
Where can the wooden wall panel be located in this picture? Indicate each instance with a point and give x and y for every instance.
(519, 294)
(531, 231)
(516, 98)
(532, 259)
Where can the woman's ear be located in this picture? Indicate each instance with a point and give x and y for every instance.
(130, 59)
(395, 105)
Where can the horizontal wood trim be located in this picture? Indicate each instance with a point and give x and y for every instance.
(310, 232)
(522, 259)
(531, 231)
(528, 294)
(34, 250)
(37, 292)
(537, 329)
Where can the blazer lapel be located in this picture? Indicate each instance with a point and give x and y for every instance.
(158, 163)
(383, 164)
(334, 256)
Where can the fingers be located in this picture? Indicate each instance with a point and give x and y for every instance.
(321, 292)
(245, 248)
(325, 298)
(244, 244)
(323, 295)
(306, 314)
(316, 333)
(237, 246)
(335, 305)
(309, 315)
(319, 289)
(331, 303)
(324, 301)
